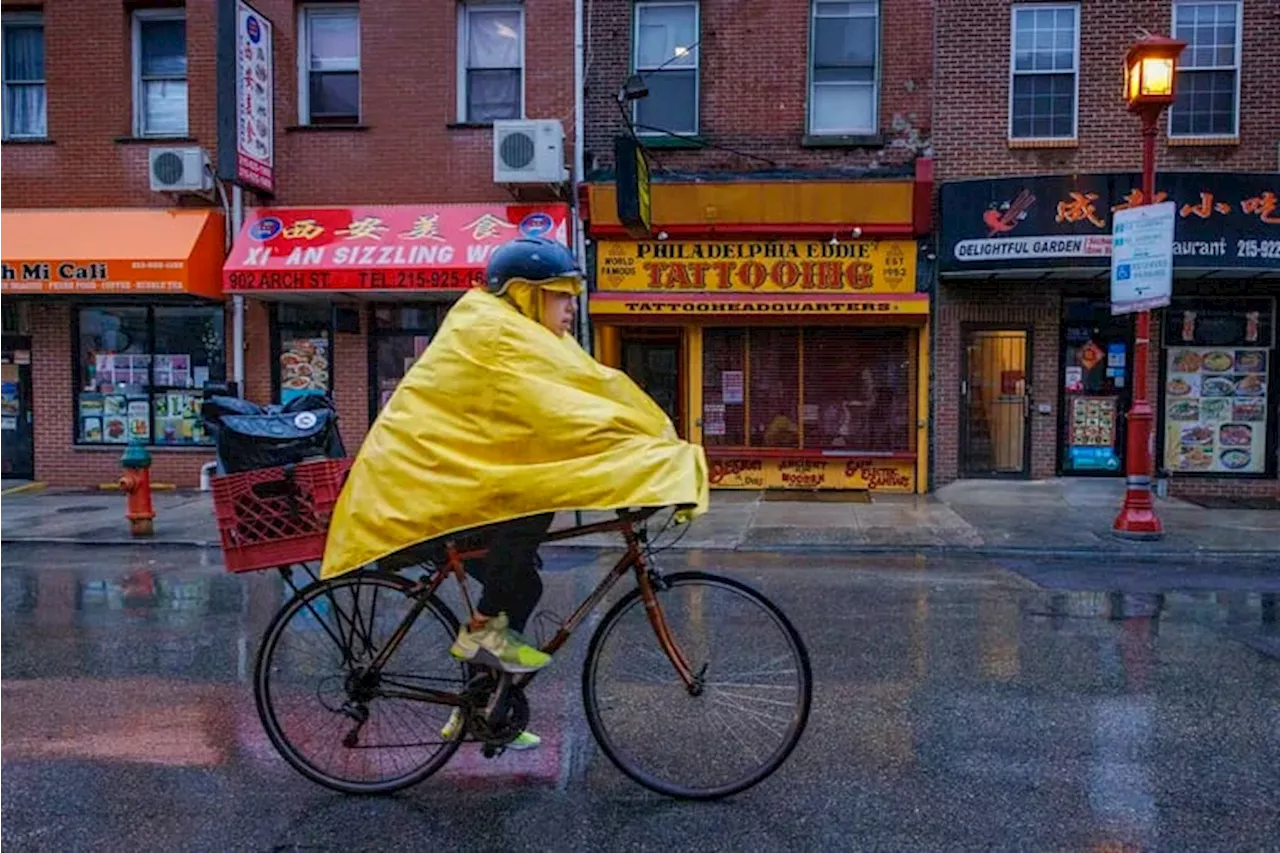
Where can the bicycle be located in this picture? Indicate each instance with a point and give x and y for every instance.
(376, 673)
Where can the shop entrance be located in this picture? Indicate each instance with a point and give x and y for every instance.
(995, 403)
(1095, 387)
(17, 457)
(651, 357)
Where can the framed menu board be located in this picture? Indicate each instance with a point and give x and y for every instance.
(1215, 409)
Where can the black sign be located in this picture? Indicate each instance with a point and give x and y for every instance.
(1225, 220)
(1208, 322)
(633, 193)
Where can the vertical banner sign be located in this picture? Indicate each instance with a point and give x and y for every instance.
(246, 92)
(1142, 257)
(634, 197)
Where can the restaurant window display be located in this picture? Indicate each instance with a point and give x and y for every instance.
(142, 372)
(400, 335)
(303, 344)
(1217, 405)
(827, 389)
(1096, 367)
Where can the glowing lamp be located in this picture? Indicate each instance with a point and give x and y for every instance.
(1151, 66)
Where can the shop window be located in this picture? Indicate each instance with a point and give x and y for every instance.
(491, 53)
(844, 52)
(303, 345)
(160, 72)
(666, 56)
(400, 335)
(142, 372)
(1044, 70)
(24, 88)
(1208, 70)
(329, 60)
(808, 389)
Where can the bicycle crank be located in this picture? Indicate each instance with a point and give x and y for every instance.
(497, 711)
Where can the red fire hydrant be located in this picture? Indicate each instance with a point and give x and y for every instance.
(136, 484)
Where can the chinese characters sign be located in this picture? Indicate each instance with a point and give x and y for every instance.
(407, 247)
(887, 266)
(1221, 220)
(246, 92)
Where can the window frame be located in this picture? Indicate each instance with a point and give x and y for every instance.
(1075, 9)
(326, 10)
(78, 367)
(1238, 68)
(876, 78)
(22, 20)
(464, 59)
(139, 102)
(377, 334)
(697, 65)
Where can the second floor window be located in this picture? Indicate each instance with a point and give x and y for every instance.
(1042, 96)
(1208, 70)
(844, 50)
(666, 56)
(491, 47)
(160, 73)
(329, 56)
(24, 93)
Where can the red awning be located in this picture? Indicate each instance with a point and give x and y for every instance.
(380, 248)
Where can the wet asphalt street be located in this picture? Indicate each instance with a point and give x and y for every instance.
(958, 705)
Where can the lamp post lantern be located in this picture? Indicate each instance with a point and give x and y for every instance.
(1151, 66)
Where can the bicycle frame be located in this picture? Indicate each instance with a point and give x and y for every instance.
(455, 565)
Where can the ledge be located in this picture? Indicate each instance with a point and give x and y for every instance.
(469, 125)
(155, 140)
(672, 143)
(1201, 141)
(29, 140)
(842, 140)
(325, 128)
(1044, 143)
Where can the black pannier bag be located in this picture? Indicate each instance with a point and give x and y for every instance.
(248, 436)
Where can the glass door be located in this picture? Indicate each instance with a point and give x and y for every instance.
(652, 360)
(1096, 367)
(17, 447)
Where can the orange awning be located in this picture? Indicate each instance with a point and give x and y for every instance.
(112, 251)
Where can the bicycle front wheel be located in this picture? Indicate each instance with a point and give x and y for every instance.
(755, 682)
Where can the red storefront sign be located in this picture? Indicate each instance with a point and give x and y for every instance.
(390, 247)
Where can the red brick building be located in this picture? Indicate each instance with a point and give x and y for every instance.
(1035, 153)
(772, 299)
(373, 105)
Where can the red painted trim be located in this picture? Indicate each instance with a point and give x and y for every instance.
(782, 453)
(922, 197)
(771, 296)
(698, 231)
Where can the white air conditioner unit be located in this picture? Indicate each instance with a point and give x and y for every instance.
(529, 152)
(179, 170)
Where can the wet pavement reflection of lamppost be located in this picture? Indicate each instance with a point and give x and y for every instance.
(1150, 70)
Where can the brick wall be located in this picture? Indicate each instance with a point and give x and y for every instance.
(754, 86)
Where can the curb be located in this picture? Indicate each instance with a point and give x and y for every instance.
(941, 551)
(34, 486)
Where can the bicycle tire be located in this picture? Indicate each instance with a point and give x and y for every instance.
(267, 714)
(590, 695)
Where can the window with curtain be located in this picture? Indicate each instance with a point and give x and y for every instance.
(142, 371)
(1208, 69)
(844, 50)
(666, 56)
(808, 389)
(160, 72)
(24, 89)
(329, 53)
(1042, 104)
(491, 44)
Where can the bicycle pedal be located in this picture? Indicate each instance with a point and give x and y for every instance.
(492, 750)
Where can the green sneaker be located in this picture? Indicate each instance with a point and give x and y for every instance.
(498, 647)
(523, 741)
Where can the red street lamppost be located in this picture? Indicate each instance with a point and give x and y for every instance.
(1150, 68)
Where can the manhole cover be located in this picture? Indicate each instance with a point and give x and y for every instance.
(80, 509)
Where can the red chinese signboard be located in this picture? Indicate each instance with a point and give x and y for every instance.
(401, 247)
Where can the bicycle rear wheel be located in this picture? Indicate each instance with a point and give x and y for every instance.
(756, 688)
(309, 696)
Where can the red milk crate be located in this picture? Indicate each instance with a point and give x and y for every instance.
(277, 516)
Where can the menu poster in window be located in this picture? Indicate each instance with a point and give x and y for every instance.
(162, 374)
(304, 367)
(1215, 407)
(91, 430)
(1092, 434)
(713, 422)
(115, 429)
(734, 387)
(139, 420)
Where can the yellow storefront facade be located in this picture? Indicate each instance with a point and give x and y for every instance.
(795, 349)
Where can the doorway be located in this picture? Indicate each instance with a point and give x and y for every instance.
(17, 447)
(652, 359)
(995, 403)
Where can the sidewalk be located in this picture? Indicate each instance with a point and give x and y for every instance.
(975, 517)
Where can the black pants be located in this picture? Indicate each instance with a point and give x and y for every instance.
(510, 571)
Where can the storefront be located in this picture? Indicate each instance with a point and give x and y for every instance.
(345, 299)
(796, 363)
(114, 326)
(1041, 371)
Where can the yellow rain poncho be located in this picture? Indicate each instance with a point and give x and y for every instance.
(501, 419)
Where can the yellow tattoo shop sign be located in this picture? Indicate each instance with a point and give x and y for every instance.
(865, 266)
(878, 475)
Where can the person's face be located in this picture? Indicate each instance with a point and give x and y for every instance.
(557, 311)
